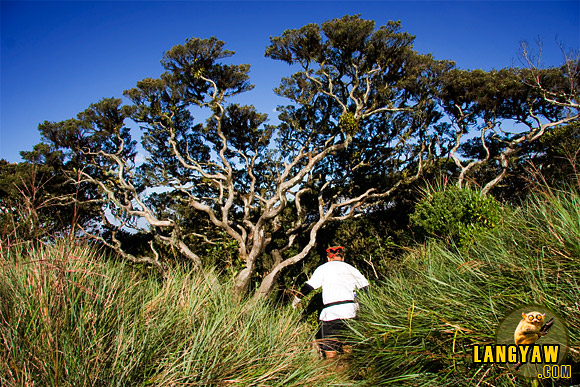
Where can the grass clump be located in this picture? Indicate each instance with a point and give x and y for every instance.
(69, 318)
(420, 325)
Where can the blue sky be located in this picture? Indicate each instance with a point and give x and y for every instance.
(59, 57)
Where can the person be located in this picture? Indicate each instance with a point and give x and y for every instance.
(339, 282)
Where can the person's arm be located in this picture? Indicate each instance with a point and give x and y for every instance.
(315, 282)
(304, 290)
(365, 289)
(362, 282)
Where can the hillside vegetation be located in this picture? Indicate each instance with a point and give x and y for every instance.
(72, 317)
(421, 323)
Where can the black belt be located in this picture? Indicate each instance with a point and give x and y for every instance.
(338, 303)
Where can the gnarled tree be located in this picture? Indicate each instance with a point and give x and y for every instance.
(508, 110)
(361, 124)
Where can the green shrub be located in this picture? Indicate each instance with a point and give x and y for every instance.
(455, 214)
(368, 247)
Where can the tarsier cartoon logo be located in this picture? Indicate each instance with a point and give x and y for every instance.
(530, 329)
(532, 341)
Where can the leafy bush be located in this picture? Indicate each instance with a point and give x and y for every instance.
(368, 247)
(68, 319)
(455, 214)
(419, 326)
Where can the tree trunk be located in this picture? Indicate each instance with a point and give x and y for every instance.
(242, 282)
(270, 279)
(268, 283)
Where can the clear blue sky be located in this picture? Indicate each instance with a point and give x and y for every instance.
(59, 57)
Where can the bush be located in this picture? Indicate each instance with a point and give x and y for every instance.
(455, 214)
(367, 246)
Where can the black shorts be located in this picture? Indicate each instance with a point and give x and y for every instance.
(330, 335)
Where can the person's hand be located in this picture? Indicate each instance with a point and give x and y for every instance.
(295, 302)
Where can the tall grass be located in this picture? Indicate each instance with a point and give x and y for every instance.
(70, 318)
(419, 326)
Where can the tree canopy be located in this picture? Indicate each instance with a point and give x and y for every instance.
(367, 116)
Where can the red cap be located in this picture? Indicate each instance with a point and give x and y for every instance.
(334, 250)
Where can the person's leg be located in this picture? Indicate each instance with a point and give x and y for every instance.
(329, 333)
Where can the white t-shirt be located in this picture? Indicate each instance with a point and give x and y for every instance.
(338, 280)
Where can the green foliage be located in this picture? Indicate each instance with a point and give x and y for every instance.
(485, 93)
(556, 156)
(455, 214)
(224, 255)
(418, 327)
(368, 246)
(481, 102)
(37, 201)
(349, 123)
(68, 318)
